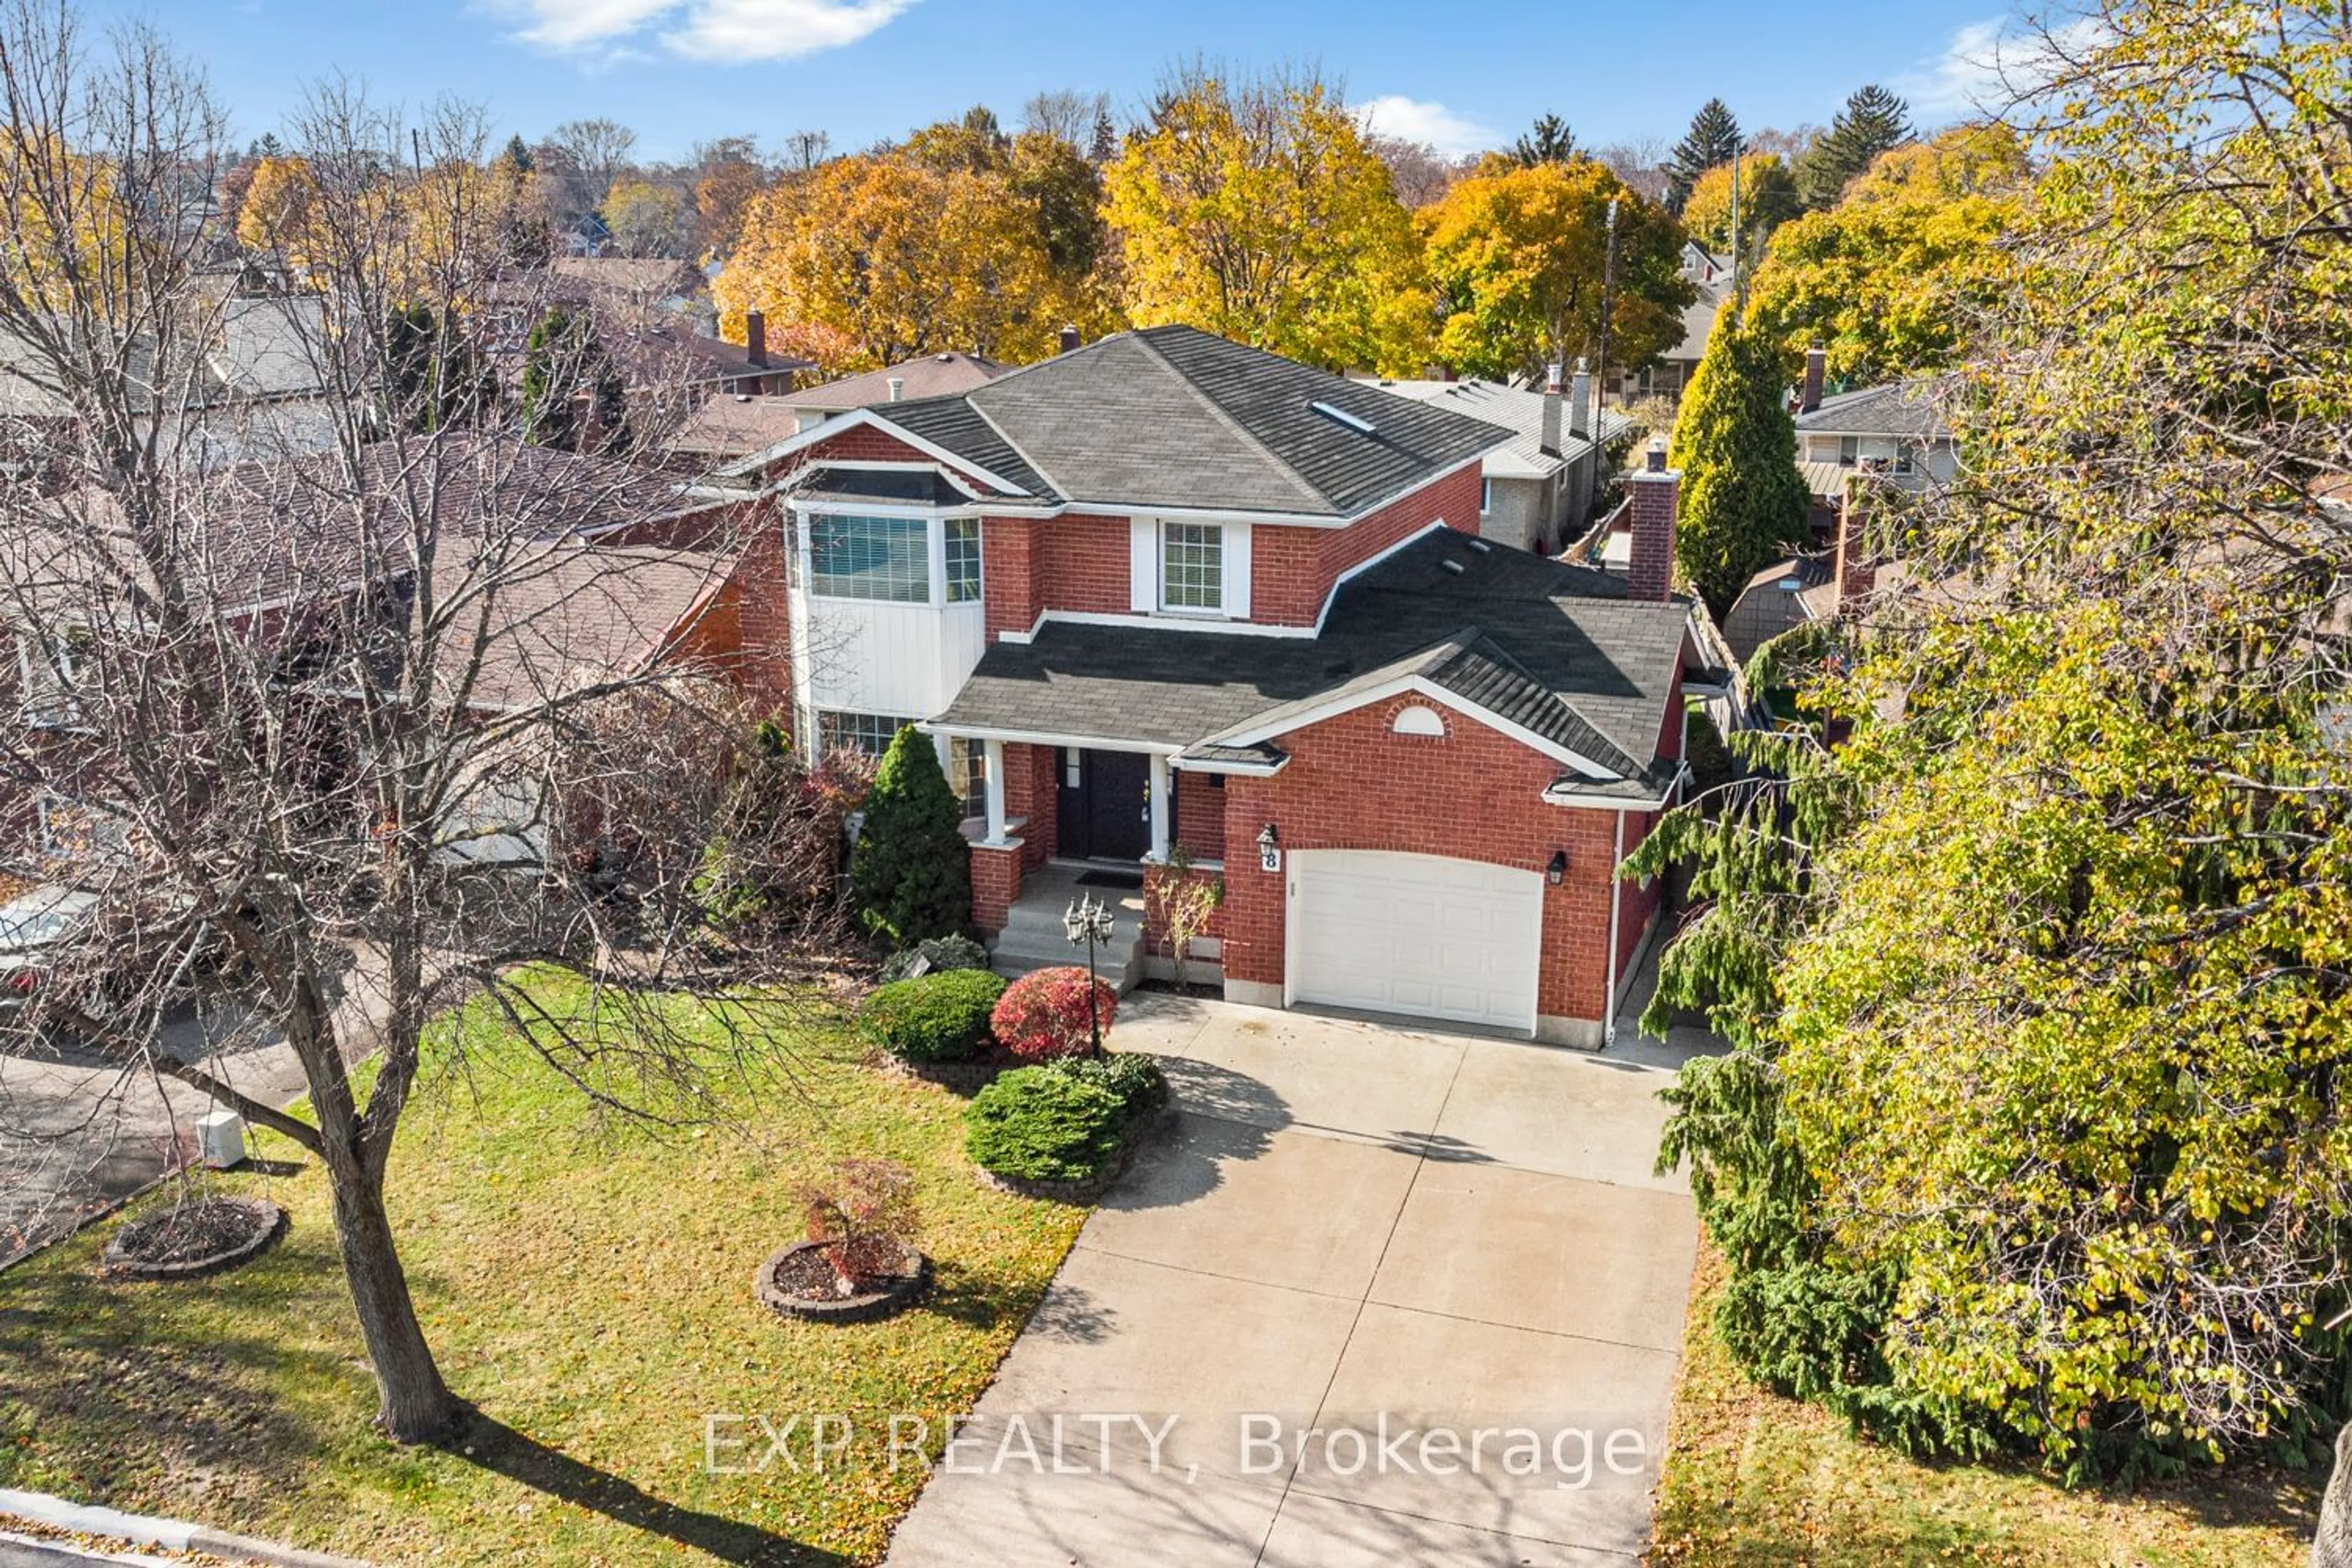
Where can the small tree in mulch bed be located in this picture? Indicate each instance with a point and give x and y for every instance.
(1045, 1015)
(863, 1226)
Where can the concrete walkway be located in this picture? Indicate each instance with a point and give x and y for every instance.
(1281, 1340)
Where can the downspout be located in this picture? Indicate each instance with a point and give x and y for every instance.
(1616, 895)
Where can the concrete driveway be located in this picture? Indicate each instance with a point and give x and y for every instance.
(1384, 1296)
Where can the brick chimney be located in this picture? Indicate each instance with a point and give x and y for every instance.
(1816, 368)
(1070, 338)
(1579, 402)
(1657, 497)
(1854, 569)
(755, 337)
(1550, 442)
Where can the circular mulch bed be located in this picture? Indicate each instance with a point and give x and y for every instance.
(798, 1282)
(209, 1235)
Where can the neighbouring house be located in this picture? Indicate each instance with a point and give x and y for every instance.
(1671, 374)
(1898, 428)
(303, 566)
(1164, 591)
(1541, 484)
(727, 429)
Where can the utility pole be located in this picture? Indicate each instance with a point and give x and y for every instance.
(1739, 274)
(1608, 298)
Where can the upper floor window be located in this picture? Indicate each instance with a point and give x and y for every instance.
(1191, 566)
(1485, 497)
(963, 560)
(886, 558)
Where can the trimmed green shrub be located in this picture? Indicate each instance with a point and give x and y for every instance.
(1136, 1079)
(911, 870)
(1046, 1014)
(932, 1018)
(943, 953)
(1040, 1124)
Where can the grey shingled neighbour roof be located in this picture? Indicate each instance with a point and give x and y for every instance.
(1518, 410)
(931, 376)
(1173, 417)
(1912, 408)
(1555, 648)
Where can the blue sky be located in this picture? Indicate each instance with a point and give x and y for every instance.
(684, 71)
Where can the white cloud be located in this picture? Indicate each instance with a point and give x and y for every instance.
(1420, 120)
(729, 32)
(1989, 66)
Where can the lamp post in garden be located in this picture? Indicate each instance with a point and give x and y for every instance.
(1088, 920)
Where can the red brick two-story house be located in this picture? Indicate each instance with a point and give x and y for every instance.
(1166, 591)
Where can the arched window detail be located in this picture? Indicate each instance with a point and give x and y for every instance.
(1419, 720)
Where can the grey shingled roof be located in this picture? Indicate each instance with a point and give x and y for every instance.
(1912, 408)
(1555, 648)
(927, 376)
(1175, 417)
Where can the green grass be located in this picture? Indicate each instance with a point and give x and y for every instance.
(586, 1285)
(1751, 1479)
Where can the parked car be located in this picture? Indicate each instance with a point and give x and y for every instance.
(31, 924)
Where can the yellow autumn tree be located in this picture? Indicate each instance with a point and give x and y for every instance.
(899, 259)
(1518, 259)
(1884, 279)
(277, 214)
(1258, 211)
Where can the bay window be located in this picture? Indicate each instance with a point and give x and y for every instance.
(881, 558)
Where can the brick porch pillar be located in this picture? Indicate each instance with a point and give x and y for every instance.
(995, 883)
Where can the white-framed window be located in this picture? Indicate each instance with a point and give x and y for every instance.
(1191, 566)
(1848, 450)
(883, 558)
(963, 560)
(968, 773)
(1485, 497)
(869, 735)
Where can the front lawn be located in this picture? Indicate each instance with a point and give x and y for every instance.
(1751, 1479)
(588, 1287)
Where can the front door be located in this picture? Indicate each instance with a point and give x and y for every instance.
(1106, 808)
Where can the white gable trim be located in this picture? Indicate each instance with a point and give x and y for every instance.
(1259, 732)
(867, 419)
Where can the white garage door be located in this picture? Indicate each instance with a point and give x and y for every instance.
(1415, 933)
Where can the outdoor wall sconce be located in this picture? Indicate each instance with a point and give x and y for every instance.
(1556, 872)
(1269, 848)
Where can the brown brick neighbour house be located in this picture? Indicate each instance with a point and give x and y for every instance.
(1165, 591)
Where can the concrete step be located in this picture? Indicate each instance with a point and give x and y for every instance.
(1016, 954)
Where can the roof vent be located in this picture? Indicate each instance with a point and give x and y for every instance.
(1454, 566)
(1341, 417)
(946, 359)
(1480, 545)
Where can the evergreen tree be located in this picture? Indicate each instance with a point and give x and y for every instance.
(911, 871)
(517, 155)
(551, 371)
(1550, 141)
(1743, 500)
(1714, 140)
(1106, 139)
(1874, 121)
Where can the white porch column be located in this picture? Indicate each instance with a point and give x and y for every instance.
(1159, 806)
(994, 752)
(945, 748)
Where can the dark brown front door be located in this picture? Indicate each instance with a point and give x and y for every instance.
(1106, 810)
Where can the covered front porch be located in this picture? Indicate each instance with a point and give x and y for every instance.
(1032, 936)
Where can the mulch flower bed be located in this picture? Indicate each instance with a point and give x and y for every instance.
(798, 1282)
(210, 1236)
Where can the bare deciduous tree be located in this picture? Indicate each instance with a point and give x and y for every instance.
(357, 718)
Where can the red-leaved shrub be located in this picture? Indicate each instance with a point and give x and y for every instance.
(1044, 1014)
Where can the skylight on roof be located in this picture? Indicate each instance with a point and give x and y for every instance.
(1341, 415)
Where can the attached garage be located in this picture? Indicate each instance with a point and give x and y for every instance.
(1418, 934)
